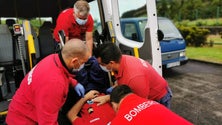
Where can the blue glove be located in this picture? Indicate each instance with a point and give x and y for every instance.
(80, 90)
(109, 90)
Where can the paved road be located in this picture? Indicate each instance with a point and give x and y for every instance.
(197, 89)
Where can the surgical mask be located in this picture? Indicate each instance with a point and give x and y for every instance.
(104, 68)
(78, 69)
(81, 21)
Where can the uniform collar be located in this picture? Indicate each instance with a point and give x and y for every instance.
(61, 64)
(62, 61)
(121, 67)
(125, 101)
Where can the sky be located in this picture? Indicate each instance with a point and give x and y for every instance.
(125, 5)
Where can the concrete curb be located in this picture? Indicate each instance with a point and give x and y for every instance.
(213, 63)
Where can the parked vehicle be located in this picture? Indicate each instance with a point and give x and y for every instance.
(173, 45)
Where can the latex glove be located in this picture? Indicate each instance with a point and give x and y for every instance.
(109, 90)
(80, 89)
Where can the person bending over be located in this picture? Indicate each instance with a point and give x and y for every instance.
(137, 73)
(132, 109)
(76, 22)
(44, 89)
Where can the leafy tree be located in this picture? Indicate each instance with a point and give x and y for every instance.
(189, 9)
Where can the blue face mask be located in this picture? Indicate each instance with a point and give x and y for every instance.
(81, 21)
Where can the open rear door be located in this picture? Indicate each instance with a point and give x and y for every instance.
(149, 49)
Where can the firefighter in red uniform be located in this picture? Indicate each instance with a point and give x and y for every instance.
(134, 110)
(91, 114)
(44, 89)
(138, 74)
(76, 22)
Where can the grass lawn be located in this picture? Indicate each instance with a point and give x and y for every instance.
(202, 22)
(209, 54)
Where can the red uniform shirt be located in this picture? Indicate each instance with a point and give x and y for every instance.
(66, 21)
(135, 110)
(100, 115)
(41, 94)
(141, 77)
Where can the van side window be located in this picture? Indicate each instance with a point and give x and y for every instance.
(130, 29)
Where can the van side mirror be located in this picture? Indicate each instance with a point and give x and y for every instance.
(160, 34)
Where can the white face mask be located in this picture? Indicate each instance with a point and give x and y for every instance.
(104, 68)
(81, 21)
(78, 69)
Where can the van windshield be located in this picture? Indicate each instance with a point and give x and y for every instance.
(168, 28)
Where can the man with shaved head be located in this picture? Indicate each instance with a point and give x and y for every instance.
(44, 89)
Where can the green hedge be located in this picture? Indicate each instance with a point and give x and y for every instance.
(194, 36)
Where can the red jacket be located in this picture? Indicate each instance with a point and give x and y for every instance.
(67, 22)
(141, 77)
(41, 94)
(134, 110)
